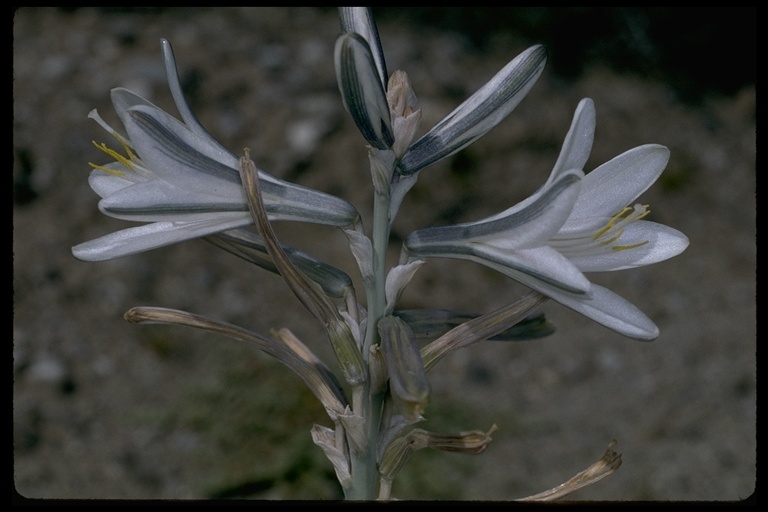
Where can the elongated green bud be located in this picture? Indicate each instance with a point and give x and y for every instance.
(362, 90)
(407, 377)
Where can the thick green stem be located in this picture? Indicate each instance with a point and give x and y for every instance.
(364, 468)
(376, 290)
(368, 404)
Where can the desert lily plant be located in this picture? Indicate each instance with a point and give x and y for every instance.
(172, 176)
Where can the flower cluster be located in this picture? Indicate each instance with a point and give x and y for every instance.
(175, 178)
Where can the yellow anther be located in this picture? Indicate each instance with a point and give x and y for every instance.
(627, 215)
(114, 154)
(107, 170)
(612, 222)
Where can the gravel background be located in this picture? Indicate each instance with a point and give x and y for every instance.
(104, 409)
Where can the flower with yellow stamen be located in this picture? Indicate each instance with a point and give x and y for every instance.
(571, 226)
(182, 182)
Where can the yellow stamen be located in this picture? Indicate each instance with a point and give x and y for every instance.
(627, 215)
(126, 147)
(107, 170)
(117, 156)
(613, 238)
(114, 154)
(612, 222)
(627, 247)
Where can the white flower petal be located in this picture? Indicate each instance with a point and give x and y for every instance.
(189, 118)
(535, 220)
(105, 184)
(150, 236)
(514, 244)
(618, 182)
(578, 141)
(362, 250)
(178, 156)
(123, 99)
(167, 147)
(398, 278)
(540, 218)
(659, 243)
(610, 310)
(531, 266)
(154, 200)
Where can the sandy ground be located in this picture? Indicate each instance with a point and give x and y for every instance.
(105, 409)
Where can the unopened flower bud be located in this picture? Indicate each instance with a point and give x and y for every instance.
(396, 455)
(404, 111)
(471, 442)
(361, 89)
(407, 378)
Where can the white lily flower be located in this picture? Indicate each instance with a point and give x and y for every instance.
(177, 177)
(597, 233)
